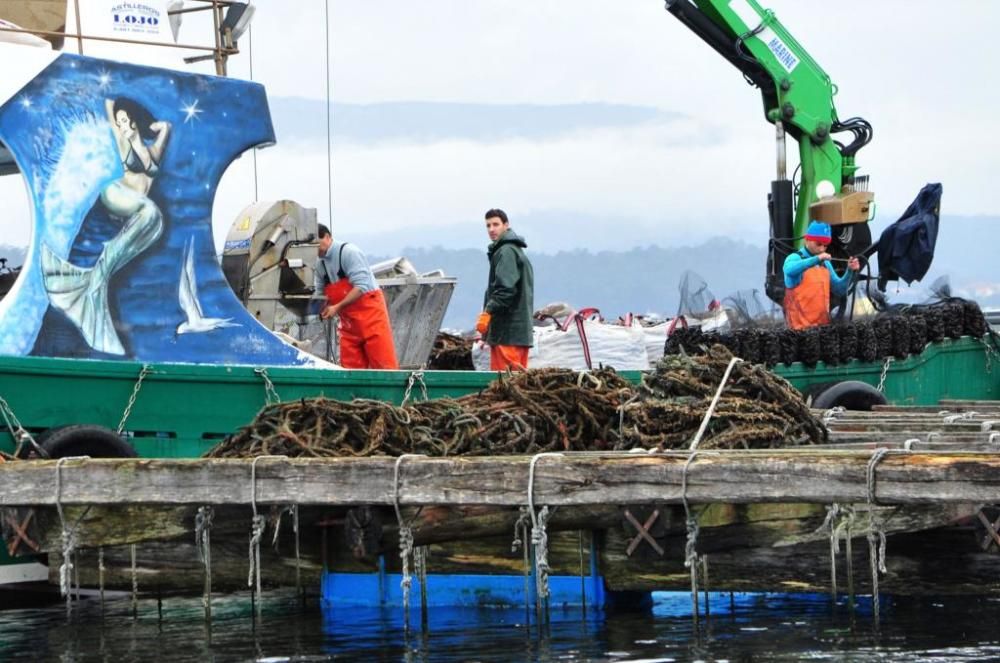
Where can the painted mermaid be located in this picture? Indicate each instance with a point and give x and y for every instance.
(81, 293)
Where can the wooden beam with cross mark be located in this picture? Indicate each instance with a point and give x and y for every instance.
(19, 532)
(643, 532)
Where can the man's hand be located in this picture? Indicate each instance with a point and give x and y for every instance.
(823, 257)
(483, 323)
(853, 264)
(329, 311)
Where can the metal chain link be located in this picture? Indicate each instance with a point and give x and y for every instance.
(885, 371)
(131, 399)
(270, 393)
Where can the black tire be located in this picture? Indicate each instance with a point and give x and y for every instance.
(84, 440)
(850, 395)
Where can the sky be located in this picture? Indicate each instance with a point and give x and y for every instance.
(590, 110)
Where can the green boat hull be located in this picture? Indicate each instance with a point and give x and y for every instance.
(182, 410)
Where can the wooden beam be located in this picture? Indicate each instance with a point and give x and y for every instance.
(731, 476)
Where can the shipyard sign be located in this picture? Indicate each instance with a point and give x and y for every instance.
(135, 18)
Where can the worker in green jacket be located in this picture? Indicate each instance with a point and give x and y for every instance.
(506, 320)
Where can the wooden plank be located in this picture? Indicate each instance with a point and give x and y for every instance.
(716, 476)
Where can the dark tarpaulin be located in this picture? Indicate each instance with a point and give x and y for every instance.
(906, 248)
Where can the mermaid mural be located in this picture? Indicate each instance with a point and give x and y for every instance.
(81, 293)
(121, 163)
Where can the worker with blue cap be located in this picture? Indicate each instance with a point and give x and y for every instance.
(810, 278)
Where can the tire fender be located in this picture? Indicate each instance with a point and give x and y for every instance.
(84, 440)
(849, 394)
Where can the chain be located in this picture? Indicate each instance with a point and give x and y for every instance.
(270, 393)
(131, 399)
(17, 431)
(885, 371)
(415, 378)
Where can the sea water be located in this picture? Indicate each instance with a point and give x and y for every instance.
(740, 627)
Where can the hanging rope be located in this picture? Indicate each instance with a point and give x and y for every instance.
(420, 569)
(257, 526)
(520, 536)
(100, 575)
(67, 535)
(203, 542)
(135, 583)
(539, 535)
(405, 538)
(691, 545)
(293, 511)
(838, 521)
(876, 531)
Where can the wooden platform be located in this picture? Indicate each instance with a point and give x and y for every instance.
(739, 477)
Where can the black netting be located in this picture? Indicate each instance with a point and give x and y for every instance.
(696, 299)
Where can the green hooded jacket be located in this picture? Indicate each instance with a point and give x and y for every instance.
(510, 292)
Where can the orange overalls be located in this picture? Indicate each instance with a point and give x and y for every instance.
(514, 357)
(808, 303)
(364, 331)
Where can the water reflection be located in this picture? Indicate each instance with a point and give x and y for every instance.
(741, 627)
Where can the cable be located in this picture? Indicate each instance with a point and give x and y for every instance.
(256, 195)
(329, 155)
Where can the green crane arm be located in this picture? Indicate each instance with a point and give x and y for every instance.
(798, 99)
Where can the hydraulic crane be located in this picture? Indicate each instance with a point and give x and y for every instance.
(798, 100)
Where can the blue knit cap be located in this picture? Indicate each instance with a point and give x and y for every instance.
(819, 232)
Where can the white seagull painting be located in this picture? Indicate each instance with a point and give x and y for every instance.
(187, 297)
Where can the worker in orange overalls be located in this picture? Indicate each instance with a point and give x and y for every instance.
(810, 278)
(343, 275)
